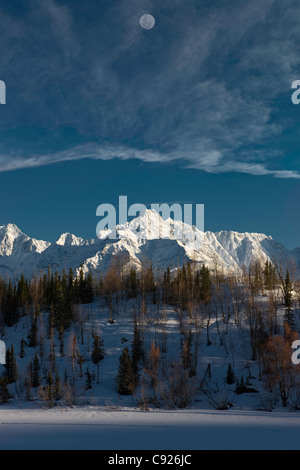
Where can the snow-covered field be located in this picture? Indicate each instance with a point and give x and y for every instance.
(128, 429)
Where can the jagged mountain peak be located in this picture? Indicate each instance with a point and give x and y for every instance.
(10, 230)
(151, 226)
(67, 239)
(15, 243)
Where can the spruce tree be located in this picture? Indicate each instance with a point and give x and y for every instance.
(32, 336)
(125, 377)
(89, 288)
(269, 273)
(288, 291)
(205, 285)
(11, 370)
(88, 383)
(4, 392)
(288, 301)
(66, 377)
(49, 379)
(167, 287)
(81, 285)
(22, 348)
(57, 388)
(22, 292)
(61, 311)
(137, 352)
(132, 284)
(230, 378)
(36, 368)
(98, 350)
(10, 305)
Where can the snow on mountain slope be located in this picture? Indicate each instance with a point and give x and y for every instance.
(13, 241)
(296, 257)
(240, 249)
(70, 239)
(146, 239)
(63, 257)
(18, 251)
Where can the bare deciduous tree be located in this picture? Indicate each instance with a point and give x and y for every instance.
(278, 370)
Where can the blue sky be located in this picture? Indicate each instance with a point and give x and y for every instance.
(197, 109)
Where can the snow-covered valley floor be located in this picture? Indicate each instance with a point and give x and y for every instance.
(127, 429)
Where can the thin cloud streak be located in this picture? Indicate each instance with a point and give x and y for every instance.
(210, 162)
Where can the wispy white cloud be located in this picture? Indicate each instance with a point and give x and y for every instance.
(87, 151)
(209, 161)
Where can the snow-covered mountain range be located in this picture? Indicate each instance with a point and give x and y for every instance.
(162, 247)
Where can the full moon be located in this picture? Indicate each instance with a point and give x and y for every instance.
(147, 21)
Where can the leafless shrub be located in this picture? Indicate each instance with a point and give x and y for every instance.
(218, 398)
(267, 402)
(182, 389)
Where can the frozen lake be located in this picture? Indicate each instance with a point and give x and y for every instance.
(88, 428)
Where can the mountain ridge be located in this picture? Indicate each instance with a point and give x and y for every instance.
(167, 243)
